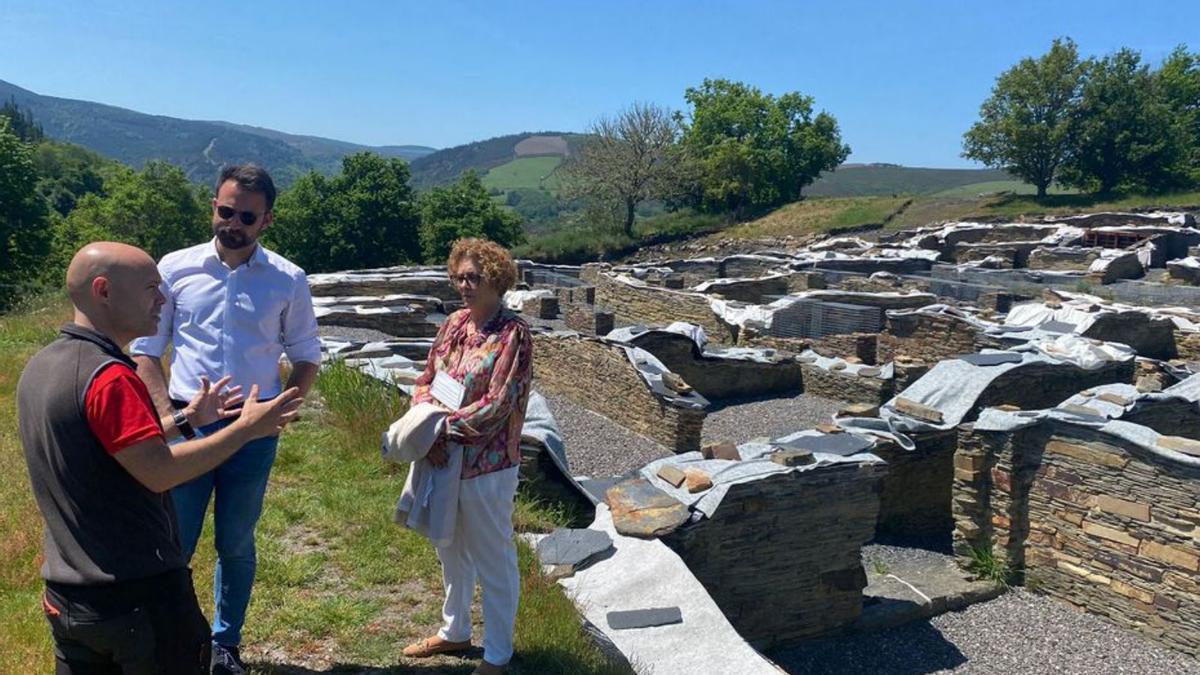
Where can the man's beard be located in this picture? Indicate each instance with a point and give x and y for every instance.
(233, 239)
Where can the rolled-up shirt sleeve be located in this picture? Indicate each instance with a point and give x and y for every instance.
(156, 345)
(299, 333)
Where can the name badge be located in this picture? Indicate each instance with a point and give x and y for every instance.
(447, 390)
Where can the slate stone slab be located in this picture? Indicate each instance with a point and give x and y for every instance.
(990, 359)
(641, 510)
(596, 487)
(835, 444)
(644, 618)
(572, 546)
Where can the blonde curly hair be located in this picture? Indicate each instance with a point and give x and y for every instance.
(496, 265)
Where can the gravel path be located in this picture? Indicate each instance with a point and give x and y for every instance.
(1017, 633)
(597, 446)
(360, 334)
(741, 421)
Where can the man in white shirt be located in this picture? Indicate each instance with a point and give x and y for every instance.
(232, 307)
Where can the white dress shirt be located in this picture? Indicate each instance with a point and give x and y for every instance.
(236, 322)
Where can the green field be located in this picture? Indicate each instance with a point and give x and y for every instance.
(525, 172)
(992, 187)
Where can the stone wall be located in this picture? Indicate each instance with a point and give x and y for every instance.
(782, 555)
(1046, 385)
(861, 346)
(599, 376)
(929, 338)
(1088, 518)
(1150, 337)
(752, 291)
(659, 307)
(718, 378)
(843, 385)
(915, 499)
(587, 319)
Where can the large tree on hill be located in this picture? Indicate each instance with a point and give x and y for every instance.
(24, 239)
(1123, 133)
(1177, 82)
(464, 209)
(755, 151)
(1024, 126)
(156, 209)
(366, 216)
(627, 159)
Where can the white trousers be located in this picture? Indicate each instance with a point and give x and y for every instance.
(483, 548)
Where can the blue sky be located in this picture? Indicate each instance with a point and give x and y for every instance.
(903, 79)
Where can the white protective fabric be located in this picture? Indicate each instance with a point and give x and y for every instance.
(515, 300)
(645, 573)
(483, 549)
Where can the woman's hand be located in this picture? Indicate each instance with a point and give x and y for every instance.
(438, 455)
(211, 404)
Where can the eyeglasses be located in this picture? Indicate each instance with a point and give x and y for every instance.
(471, 279)
(247, 217)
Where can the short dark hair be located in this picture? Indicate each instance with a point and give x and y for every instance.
(250, 177)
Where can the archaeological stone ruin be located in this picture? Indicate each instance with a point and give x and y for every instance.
(1015, 401)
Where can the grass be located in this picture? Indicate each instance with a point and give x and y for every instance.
(994, 187)
(338, 583)
(580, 243)
(985, 564)
(819, 215)
(524, 172)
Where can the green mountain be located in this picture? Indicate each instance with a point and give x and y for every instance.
(862, 180)
(198, 147)
(444, 166)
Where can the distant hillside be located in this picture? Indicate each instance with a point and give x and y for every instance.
(198, 147)
(863, 180)
(444, 166)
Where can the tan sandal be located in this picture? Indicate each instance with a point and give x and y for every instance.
(432, 646)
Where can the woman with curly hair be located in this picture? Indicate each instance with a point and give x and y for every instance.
(486, 349)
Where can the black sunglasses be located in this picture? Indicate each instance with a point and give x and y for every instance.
(247, 217)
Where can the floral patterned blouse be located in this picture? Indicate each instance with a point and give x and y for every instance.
(494, 366)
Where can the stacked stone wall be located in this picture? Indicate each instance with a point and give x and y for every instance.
(929, 338)
(782, 555)
(843, 385)
(1088, 518)
(658, 307)
(915, 499)
(716, 378)
(600, 377)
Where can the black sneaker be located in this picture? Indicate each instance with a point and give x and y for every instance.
(226, 661)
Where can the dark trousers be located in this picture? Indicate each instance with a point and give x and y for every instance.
(148, 626)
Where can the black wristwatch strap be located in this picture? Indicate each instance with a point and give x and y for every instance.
(182, 424)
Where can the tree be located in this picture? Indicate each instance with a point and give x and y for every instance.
(1122, 131)
(627, 159)
(1024, 126)
(366, 216)
(156, 209)
(1177, 82)
(464, 209)
(755, 151)
(24, 239)
(67, 172)
(22, 123)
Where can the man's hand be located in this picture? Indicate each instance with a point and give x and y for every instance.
(437, 455)
(269, 417)
(211, 404)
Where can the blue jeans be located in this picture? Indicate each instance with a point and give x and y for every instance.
(240, 483)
